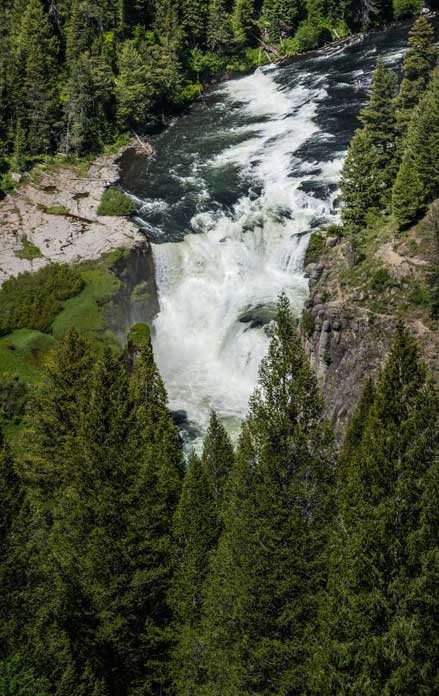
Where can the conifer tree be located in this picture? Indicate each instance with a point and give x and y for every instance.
(103, 480)
(282, 17)
(423, 139)
(243, 20)
(406, 8)
(366, 635)
(416, 68)
(219, 29)
(361, 192)
(132, 91)
(10, 502)
(194, 19)
(408, 192)
(196, 528)
(261, 598)
(217, 458)
(36, 51)
(371, 165)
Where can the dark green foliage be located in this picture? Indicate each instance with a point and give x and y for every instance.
(103, 477)
(417, 66)
(32, 300)
(408, 192)
(371, 165)
(13, 398)
(16, 679)
(406, 8)
(314, 249)
(75, 74)
(116, 202)
(308, 324)
(261, 597)
(375, 560)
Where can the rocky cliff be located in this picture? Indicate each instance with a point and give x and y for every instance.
(359, 289)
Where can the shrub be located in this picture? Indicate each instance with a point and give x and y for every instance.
(315, 248)
(116, 202)
(381, 279)
(308, 323)
(57, 210)
(406, 8)
(13, 397)
(32, 300)
(310, 35)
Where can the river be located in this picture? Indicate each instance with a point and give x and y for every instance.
(229, 199)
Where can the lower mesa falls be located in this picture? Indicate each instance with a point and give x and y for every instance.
(219, 348)
(229, 201)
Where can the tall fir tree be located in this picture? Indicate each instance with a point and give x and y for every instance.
(416, 69)
(371, 165)
(36, 51)
(196, 529)
(243, 21)
(261, 598)
(408, 192)
(219, 28)
(423, 140)
(365, 632)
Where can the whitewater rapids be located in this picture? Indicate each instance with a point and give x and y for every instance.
(237, 187)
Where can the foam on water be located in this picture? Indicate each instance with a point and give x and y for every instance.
(218, 287)
(245, 178)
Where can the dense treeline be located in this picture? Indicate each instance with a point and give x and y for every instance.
(393, 160)
(76, 74)
(280, 568)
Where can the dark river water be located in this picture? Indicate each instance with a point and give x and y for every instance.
(229, 199)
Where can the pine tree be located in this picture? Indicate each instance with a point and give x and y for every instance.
(371, 165)
(217, 458)
(196, 528)
(406, 8)
(408, 192)
(423, 139)
(261, 598)
(361, 192)
(36, 52)
(416, 68)
(219, 29)
(10, 502)
(194, 20)
(243, 20)
(132, 91)
(281, 17)
(365, 635)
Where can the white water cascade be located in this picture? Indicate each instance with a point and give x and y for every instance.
(276, 133)
(238, 263)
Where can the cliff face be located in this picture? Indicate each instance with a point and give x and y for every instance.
(136, 301)
(358, 292)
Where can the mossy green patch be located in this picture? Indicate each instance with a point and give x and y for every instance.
(86, 311)
(116, 203)
(57, 210)
(316, 246)
(23, 352)
(139, 335)
(28, 250)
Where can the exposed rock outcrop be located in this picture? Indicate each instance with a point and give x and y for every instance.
(356, 298)
(56, 212)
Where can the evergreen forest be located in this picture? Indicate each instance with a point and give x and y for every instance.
(77, 75)
(285, 564)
